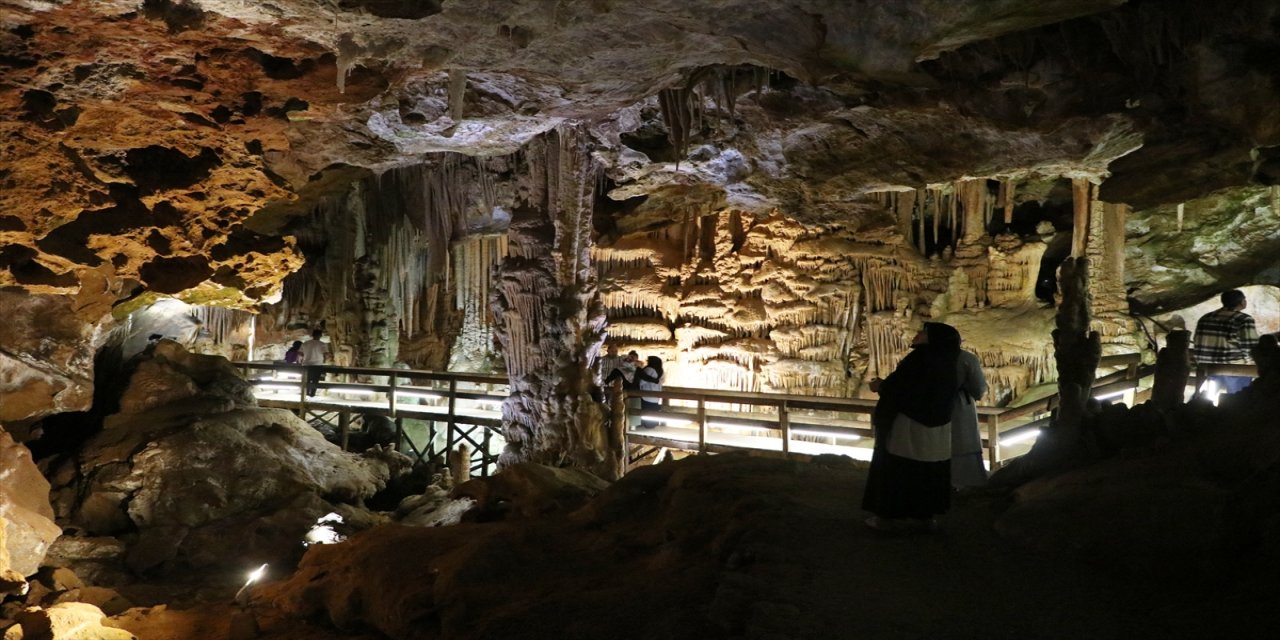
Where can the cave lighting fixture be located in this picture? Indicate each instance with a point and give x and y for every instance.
(322, 532)
(242, 596)
(1019, 438)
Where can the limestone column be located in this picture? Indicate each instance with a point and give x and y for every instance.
(549, 321)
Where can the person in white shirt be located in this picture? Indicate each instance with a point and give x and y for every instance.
(624, 369)
(314, 352)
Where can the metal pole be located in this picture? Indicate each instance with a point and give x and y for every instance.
(993, 441)
(391, 397)
(344, 429)
(702, 425)
(784, 420)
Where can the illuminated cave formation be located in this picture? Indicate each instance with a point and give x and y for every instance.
(771, 197)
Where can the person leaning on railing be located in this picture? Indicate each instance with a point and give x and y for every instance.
(650, 379)
(1226, 336)
(314, 353)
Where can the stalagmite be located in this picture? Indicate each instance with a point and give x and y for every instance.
(548, 317)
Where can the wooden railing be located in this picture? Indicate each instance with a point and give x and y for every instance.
(790, 424)
(397, 394)
(839, 419)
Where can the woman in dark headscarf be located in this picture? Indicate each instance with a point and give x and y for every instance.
(910, 477)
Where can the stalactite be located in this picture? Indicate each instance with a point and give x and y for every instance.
(221, 322)
(457, 94)
(921, 197)
(682, 112)
(905, 208)
(1081, 196)
(1008, 190)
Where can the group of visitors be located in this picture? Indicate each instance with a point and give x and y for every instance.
(312, 352)
(635, 376)
(927, 441)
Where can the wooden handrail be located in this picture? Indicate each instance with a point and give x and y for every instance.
(1126, 379)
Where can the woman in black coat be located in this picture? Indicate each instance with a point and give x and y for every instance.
(910, 479)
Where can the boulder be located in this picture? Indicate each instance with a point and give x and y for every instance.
(47, 344)
(26, 518)
(206, 477)
(528, 490)
(65, 621)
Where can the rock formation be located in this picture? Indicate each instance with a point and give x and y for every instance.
(768, 195)
(191, 473)
(26, 519)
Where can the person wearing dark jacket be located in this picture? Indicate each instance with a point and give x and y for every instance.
(650, 379)
(909, 483)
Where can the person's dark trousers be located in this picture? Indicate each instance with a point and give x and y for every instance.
(314, 376)
(649, 406)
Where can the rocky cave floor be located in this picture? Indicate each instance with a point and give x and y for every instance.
(733, 546)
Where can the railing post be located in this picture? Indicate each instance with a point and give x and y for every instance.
(391, 396)
(784, 420)
(302, 392)
(399, 435)
(993, 440)
(484, 455)
(344, 429)
(702, 425)
(453, 401)
(449, 424)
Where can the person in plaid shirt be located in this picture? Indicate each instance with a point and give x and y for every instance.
(1226, 336)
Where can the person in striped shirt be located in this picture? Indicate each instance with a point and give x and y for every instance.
(1226, 336)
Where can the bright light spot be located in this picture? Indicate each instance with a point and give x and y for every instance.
(242, 596)
(322, 532)
(354, 391)
(675, 422)
(266, 386)
(421, 395)
(1019, 438)
(1212, 390)
(256, 575)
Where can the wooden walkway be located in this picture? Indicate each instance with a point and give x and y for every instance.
(451, 409)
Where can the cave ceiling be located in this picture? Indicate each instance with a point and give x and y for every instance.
(166, 143)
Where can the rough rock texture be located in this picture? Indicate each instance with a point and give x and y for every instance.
(26, 518)
(1181, 254)
(64, 621)
(202, 475)
(148, 141)
(527, 491)
(548, 318)
(47, 346)
(1205, 478)
(729, 546)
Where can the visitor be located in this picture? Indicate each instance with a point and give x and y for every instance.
(624, 370)
(909, 483)
(967, 469)
(1226, 336)
(314, 353)
(294, 354)
(650, 379)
